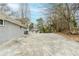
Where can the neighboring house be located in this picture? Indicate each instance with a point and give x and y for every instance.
(11, 28)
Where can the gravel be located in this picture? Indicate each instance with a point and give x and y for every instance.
(36, 44)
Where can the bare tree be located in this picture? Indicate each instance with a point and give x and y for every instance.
(4, 8)
(62, 17)
(23, 14)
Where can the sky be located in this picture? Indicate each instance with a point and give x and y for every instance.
(36, 10)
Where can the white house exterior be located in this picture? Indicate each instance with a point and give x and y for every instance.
(10, 28)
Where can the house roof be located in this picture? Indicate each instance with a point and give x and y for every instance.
(14, 21)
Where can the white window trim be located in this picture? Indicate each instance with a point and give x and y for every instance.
(3, 23)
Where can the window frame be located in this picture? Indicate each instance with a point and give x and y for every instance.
(3, 22)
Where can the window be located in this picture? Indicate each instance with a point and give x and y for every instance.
(1, 22)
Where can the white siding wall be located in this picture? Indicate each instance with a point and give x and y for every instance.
(9, 31)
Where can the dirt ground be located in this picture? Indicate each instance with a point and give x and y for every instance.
(70, 36)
